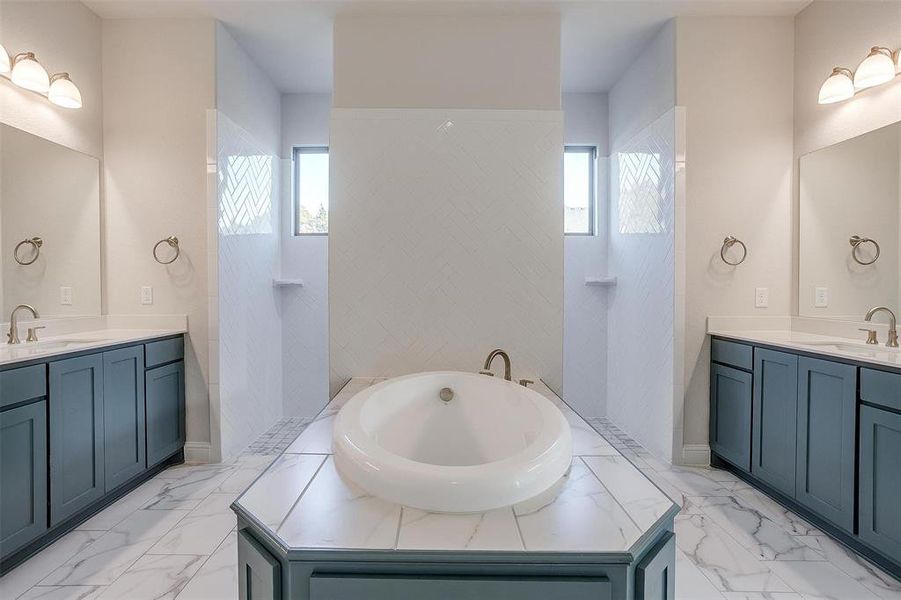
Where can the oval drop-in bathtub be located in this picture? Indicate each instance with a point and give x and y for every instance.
(495, 443)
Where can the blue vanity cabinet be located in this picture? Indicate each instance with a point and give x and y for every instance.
(124, 439)
(827, 433)
(259, 573)
(880, 463)
(76, 435)
(730, 414)
(23, 474)
(165, 400)
(775, 418)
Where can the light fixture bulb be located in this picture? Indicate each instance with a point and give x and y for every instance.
(4, 60)
(28, 73)
(63, 92)
(877, 68)
(837, 87)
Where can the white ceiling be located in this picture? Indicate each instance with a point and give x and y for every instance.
(292, 39)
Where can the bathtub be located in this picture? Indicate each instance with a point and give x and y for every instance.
(492, 444)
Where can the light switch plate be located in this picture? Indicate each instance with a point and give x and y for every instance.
(65, 295)
(146, 294)
(821, 298)
(762, 297)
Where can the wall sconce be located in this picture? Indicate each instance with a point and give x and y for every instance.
(25, 71)
(880, 66)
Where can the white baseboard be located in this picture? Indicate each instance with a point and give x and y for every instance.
(696, 455)
(197, 452)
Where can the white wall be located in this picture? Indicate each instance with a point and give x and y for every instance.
(641, 308)
(585, 119)
(483, 61)
(739, 141)
(839, 34)
(305, 122)
(154, 138)
(65, 36)
(246, 389)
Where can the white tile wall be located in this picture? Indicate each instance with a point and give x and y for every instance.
(640, 363)
(445, 241)
(249, 376)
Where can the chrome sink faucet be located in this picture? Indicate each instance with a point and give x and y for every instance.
(486, 370)
(892, 326)
(12, 336)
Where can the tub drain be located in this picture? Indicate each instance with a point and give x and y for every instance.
(446, 394)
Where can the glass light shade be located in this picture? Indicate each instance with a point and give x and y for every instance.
(63, 92)
(4, 60)
(837, 87)
(877, 68)
(29, 74)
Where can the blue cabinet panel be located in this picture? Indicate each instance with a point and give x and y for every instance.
(732, 353)
(827, 430)
(259, 573)
(24, 383)
(165, 399)
(23, 475)
(880, 480)
(164, 351)
(730, 414)
(124, 440)
(655, 575)
(76, 435)
(880, 387)
(775, 418)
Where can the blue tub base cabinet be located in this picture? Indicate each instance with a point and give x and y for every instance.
(23, 475)
(880, 480)
(267, 571)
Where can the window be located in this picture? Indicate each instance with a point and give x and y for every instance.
(311, 190)
(579, 164)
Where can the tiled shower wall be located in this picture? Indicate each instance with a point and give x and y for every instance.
(247, 373)
(445, 241)
(641, 313)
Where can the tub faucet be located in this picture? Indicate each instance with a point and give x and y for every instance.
(892, 325)
(486, 370)
(12, 337)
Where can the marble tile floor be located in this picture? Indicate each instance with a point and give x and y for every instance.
(174, 538)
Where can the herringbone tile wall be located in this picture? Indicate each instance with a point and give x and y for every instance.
(445, 241)
(640, 364)
(249, 344)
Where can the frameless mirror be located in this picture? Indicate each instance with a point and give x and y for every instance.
(851, 226)
(49, 226)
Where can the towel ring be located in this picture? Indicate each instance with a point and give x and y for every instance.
(173, 243)
(856, 241)
(35, 243)
(727, 244)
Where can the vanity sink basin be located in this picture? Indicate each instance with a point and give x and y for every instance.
(852, 348)
(36, 348)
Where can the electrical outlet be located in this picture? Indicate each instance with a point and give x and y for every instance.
(146, 294)
(762, 297)
(65, 295)
(821, 297)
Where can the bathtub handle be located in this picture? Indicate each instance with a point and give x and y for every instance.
(525, 382)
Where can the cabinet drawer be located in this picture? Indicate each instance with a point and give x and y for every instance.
(880, 387)
(25, 383)
(732, 353)
(164, 351)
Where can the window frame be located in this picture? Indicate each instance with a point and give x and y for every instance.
(592, 152)
(295, 200)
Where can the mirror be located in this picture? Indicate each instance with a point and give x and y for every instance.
(49, 226)
(850, 226)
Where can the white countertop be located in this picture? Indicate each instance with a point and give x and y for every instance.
(52, 346)
(826, 345)
(604, 504)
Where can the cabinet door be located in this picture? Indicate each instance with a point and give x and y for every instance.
(775, 418)
(730, 414)
(76, 435)
(880, 480)
(23, 475)
(259, 574)
(165, 411)
(827, 430)
(124, 440)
